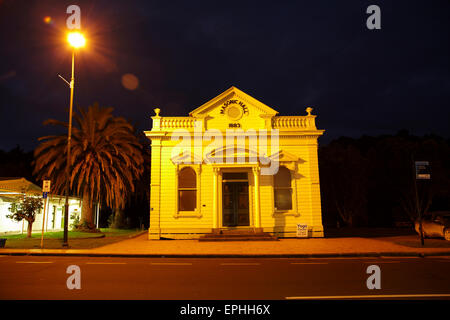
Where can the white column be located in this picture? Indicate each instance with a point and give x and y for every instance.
(215, 198)
(256, 171)
(154, 232)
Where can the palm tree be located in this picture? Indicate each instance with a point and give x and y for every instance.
(106, 159)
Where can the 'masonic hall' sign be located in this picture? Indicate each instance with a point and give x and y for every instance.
(233, 163)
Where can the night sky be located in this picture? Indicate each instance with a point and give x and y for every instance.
(288, 55)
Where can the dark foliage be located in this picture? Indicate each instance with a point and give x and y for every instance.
(370, 181)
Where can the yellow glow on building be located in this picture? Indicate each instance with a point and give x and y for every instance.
(265, 177)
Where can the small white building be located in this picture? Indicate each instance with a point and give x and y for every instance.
(11, 188)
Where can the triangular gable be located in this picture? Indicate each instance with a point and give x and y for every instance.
(232, 92)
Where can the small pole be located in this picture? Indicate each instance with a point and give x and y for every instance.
(419, 212)
(46, 221)
(43, 221)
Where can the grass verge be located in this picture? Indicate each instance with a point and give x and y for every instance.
(76, 240)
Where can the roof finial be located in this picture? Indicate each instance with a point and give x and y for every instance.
(308, 110)
(157, 111)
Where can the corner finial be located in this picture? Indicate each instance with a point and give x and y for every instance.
(308, 110)
(157, 111)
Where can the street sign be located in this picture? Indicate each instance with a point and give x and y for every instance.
(46, 186)
(423, 170)
(302, 230)
(44, 195)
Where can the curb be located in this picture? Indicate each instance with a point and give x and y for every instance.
(312, 255)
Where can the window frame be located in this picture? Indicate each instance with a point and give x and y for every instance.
(293, 188)
(192, 213)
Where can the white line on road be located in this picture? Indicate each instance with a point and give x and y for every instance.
(171, 263)
(106, 263)
(373, 296)
(309, 263)
(34, 261)
(382, 262)
(240, 264)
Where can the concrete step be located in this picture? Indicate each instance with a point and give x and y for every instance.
(238, 239)
(238, 235)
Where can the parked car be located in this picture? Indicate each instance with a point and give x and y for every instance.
(435, 225)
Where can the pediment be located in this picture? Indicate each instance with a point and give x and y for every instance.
(234, 155)
(242, 102)
(186, 157)
(284, 156)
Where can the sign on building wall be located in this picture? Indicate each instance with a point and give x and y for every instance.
(302, 230)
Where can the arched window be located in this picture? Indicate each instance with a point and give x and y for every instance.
(187, 190)
(282, 189)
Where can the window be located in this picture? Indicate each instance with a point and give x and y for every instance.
(282, 189)
(187, 190)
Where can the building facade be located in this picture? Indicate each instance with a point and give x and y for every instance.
(234, 163)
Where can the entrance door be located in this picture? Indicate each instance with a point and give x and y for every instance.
(235, 204)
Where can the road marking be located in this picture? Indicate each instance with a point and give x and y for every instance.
(106, 263)
(34, 261)
(171, 263)
(309, 263)
(373, 296)
(240, 264)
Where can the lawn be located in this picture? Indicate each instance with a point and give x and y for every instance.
(76, 240)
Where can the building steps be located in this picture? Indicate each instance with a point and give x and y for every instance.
(237, 235)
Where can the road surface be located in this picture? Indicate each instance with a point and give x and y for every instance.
(39, 277)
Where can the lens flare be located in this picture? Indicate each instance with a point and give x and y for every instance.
(48, 20)
(130, 81)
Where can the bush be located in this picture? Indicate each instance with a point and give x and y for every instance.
(86, 226)
(117, 220)
(76, 221)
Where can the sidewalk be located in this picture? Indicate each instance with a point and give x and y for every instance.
(406, 245)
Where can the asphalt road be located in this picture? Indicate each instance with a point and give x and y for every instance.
(37, 277)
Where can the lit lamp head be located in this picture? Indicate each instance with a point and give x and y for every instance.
(76, 39)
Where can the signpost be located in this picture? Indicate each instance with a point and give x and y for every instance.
(45, 190)
(423, 172)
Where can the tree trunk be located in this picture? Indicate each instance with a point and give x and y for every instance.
(87, 209)
(29, 229)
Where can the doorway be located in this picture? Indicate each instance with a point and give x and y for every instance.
(235, 200)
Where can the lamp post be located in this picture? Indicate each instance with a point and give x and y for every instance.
(76, 40)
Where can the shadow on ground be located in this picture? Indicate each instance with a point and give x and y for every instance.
(414, 242)
(367, 232)
(401, 236)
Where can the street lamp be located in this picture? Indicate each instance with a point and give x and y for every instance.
(76, 40)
